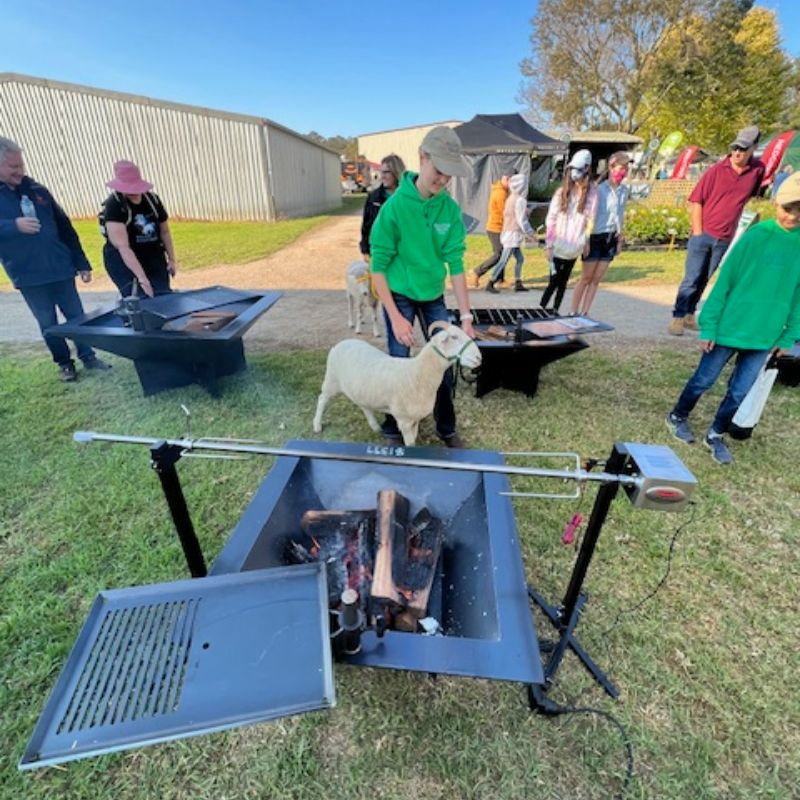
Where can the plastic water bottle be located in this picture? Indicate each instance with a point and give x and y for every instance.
(27, 207)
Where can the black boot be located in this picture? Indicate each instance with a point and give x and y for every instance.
(519, 287)
(490, 288)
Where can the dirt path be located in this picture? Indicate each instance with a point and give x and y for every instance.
(312, 312)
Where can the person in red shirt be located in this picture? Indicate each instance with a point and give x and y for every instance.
(715, 206)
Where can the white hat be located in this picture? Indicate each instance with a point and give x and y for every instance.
(581, 159)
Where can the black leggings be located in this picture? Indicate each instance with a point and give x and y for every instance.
(558, 281)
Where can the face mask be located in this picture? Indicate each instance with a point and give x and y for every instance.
(576, 174)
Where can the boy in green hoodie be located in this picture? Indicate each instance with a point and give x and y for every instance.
(417, 238)
(754, 308)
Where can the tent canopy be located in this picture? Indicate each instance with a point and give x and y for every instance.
(506, 133)
(496, 145)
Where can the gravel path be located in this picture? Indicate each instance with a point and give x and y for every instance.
(313, 313)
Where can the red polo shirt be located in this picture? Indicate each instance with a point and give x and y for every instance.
(722, 191)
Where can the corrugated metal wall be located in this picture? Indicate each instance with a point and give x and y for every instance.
(403, 142)
(205, 164)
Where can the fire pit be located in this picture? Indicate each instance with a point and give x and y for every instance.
(479, 596)
(254, 640)
(515, 344)
(175, 339)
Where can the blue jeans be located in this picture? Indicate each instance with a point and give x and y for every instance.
(43, 301)
(501, 264)
(426, 312)
(703, 255)
(745, 372)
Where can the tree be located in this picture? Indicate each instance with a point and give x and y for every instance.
(346, 146)
(737, 75)
(593, 60)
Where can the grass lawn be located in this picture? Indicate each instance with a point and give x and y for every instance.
(204, 244)
(634, 267)
(707, 669)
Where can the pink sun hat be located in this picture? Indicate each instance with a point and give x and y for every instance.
(128, 179)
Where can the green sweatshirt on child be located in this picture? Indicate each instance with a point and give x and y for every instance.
(755, 303)
(414, 237)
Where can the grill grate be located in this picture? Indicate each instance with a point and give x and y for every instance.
(162, 662)
(508, 316)
(136, 667)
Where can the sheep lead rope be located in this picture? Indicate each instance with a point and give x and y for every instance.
(457, 356)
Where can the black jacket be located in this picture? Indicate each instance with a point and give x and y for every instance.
(371, 208)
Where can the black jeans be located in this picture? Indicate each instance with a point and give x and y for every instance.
(558, 281)
(44, 301)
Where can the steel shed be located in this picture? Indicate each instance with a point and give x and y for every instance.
(206, 164)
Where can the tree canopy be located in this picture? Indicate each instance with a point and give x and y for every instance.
(705, 67)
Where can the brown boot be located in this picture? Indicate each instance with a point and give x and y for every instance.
(676, 327)
(690, 323)
(475, 280)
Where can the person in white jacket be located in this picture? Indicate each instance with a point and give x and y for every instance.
(568, 224)
(516, 229)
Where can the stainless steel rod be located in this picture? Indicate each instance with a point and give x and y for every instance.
(190, 445)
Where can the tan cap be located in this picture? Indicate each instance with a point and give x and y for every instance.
(444, 147)
(789, 191)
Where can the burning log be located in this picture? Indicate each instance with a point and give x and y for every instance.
(344, 542)
(405, 560)
(392, 520)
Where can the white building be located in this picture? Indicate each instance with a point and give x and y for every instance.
(205, 164)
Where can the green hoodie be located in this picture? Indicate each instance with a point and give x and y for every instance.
(755, 303)
(413, 238)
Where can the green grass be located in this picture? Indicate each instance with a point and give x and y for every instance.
(205, 244)
(707, 669)
(632, 267)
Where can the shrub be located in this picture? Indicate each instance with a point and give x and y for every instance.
(645, 225)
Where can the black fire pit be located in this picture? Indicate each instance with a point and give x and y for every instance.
(175, 339)
(515, 344)
(481, 601)
(250, 641)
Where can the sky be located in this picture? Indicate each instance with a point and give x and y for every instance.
(338, 68)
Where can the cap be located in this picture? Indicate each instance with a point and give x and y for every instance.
(582, 160)
(789, 191)
(444, 148)
(621, 157)
(747, 137)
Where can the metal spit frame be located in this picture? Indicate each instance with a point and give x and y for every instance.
(651, 475)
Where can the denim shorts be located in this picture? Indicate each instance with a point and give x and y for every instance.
(602, 247)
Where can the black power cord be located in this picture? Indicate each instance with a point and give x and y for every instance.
(544, 705)
(664, 577)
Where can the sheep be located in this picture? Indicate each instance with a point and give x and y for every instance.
(359, 296)
(403, 387)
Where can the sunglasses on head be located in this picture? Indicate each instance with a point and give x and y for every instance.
(737, 148)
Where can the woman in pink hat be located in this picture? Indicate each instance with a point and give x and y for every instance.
(138, 249)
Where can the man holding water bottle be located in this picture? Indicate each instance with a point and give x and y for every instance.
(41, 253)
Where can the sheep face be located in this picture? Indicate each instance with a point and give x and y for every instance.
(454, 345)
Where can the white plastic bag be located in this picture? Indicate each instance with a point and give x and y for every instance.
(749, 412)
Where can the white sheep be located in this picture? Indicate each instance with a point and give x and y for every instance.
(360, 296)
(403, 387)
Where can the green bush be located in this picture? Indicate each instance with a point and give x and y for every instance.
(645, 225)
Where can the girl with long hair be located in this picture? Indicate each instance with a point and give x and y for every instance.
(569, 223)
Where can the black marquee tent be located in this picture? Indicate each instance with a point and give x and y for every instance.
(494, 145)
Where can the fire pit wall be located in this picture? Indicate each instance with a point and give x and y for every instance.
(480, 595)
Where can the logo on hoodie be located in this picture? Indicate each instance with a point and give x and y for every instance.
(441, 228)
